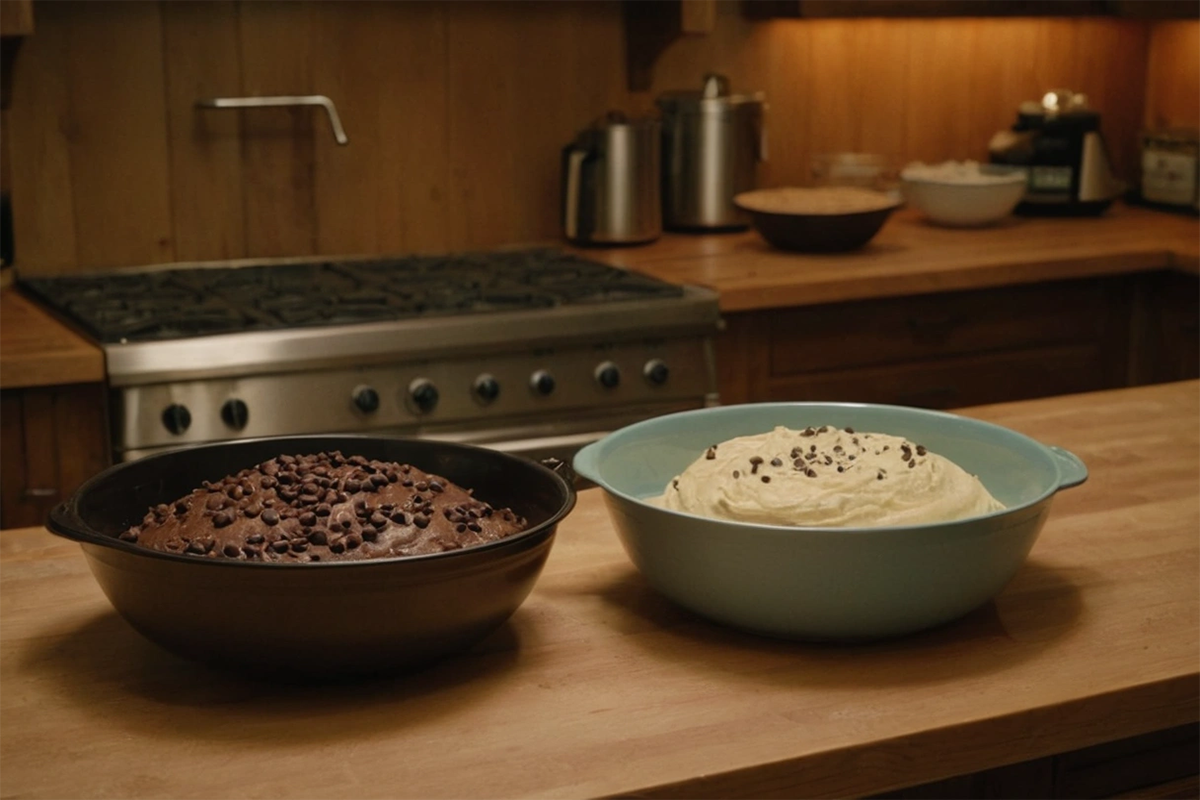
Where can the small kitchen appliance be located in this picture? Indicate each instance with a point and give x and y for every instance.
(610, 186)
(713, 142)
(1057, 141)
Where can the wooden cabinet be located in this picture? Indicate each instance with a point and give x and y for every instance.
(1161, 764)
(1166, 329)
(966, 348)
(52, 440)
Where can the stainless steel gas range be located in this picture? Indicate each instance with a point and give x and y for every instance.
(532, 351)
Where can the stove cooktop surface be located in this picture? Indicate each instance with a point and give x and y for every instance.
(186, 302)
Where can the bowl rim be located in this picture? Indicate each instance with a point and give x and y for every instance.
(1010, 180)
(1047, 450)
(86, 535)
(895, 203)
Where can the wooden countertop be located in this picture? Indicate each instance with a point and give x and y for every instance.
(599, 686)
(38, 350)
(909, 256)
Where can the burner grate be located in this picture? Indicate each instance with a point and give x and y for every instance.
(186, 302)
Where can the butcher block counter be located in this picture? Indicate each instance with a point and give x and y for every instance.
(599, 686)
(38, 350)
(910, 256)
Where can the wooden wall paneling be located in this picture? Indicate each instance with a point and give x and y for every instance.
(203, 60)
(16, 17)
(834, 119)
(120, 170)
(938, 88)
(1115, 85)
(881, 60)
(1173, 75)
(515, 99)
(385, 66)
(43, 194)
(277, 50)
(1001, 78)
(783, 72)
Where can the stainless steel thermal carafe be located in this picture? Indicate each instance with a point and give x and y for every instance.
(713, 142)
(611, 187)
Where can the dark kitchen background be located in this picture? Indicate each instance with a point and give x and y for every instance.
(456, 112)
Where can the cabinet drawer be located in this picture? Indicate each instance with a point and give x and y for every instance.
(961, 381)
(894, 330)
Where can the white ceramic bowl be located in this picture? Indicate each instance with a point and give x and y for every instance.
(827, 583)
(956, 198)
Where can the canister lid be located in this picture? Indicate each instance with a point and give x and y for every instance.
(714, 95)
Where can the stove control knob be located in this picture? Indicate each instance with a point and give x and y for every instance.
(608, 375)
(542, 382)
(423, 394)
(486, 388)
(656, 372)
(366, 399)
(235, 414)
(177, 418)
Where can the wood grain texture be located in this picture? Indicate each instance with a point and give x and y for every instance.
(16, 17)
(910, 256)
(1173, 75)
(598, 686)
(37, 350)
(208, 216)
(457, 112)
(117, 137)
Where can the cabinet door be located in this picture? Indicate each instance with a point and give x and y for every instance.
(53, 439)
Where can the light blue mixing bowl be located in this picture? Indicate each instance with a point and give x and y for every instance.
(827, 583)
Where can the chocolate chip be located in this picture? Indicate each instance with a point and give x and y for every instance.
(379, 480)
(254, 538)
(422, 486)
(921, 450)
(378, 520)
(252, 551)
(351, 485)
(318, 536)
(352, 540)
(299, 545)
(399, 518)
(460, 527)
(252, 510)
(369, 534)
(337, 546)
(231, 550)
(812, 473)
(775, 462)
(270, 516)
(737, 474)
(280, 546)
(323, 510)
(308, 519)
(421, 521)
(711, 453)
(436, 486)
(766, 478)
(215, 503)
(221, 519)
(848, 430)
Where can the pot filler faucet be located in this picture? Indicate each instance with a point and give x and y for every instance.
(335, 121)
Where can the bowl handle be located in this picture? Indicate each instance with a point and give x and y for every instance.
(1071, 469)
(584, 462)
(64, 521)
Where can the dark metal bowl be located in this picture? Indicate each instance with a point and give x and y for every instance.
(818, 233)
(323, 618)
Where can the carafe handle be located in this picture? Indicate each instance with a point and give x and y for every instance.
(575, 158)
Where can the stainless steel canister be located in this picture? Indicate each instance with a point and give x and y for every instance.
(713, 142)
(610, 183)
